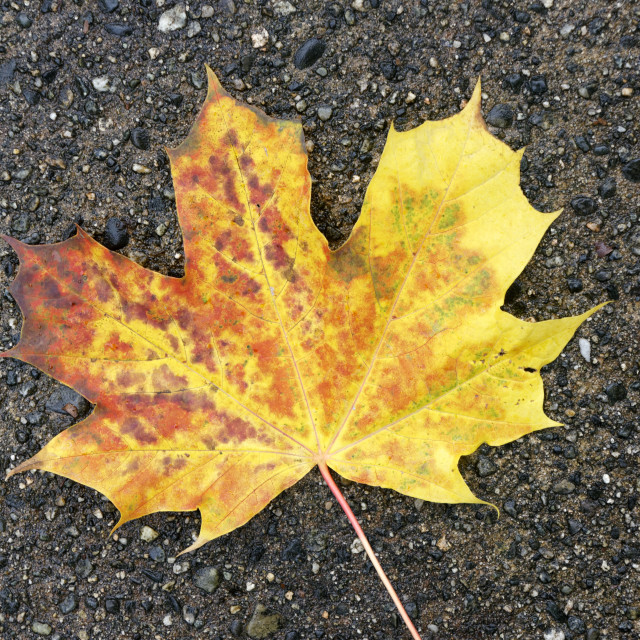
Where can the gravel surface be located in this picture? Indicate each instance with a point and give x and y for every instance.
(92, 92)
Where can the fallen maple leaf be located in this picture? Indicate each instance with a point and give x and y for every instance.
(385, 360)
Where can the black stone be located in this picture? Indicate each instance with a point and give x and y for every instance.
(50, 75)
(35, 418)
(154, 576)
(514, 81)
(9, 602)
(140, 138)
(412, 609)
(293, 551)
(556, 612)
(68, 605)
(246, 62)
(83, 568)
(108, 6)
(157, 554)
(82, 86)
(236, 628)
(156, 204)
(608, 188)
(582, 143)
(309, 53)
(584, 205)
(119, 29)
(91, 108)
(7, 69)
(64, 396)
(32, 97)
(115, 234)
(596, 26)
(510, 507)
(616, 391)
(500, 116)
(112, 605)
(538, 85)
(603, 275)
(174, 603)
(631, 170)
(574, 526)
(485, 467)
(601, 149)
(576, 624)
(24, 20)
(91, 602)
(388, 69)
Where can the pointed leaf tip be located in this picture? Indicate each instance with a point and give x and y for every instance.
(213, 83)
(474, 105)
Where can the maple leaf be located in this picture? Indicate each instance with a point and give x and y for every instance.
(385, 360)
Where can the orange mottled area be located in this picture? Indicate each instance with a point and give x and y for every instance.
(387, 359)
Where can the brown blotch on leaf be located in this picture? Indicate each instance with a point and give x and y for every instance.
(137, 430)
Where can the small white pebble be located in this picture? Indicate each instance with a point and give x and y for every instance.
(260, 39)
(356, 546)
(606, 479)
(585, 349)
(250, 585)
(148, 534)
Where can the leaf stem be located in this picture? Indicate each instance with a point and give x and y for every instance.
(324, 470)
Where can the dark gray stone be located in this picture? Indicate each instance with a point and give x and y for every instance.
(207, 579)
(607, 189)
(116, 235)
(68, 605)
(119, 30)
(140, 138)
(7, 69)
(584, 205)
(108, 6)
(24, 20)
(500, 116)
(485, 467)
(615, 391)
(309, 53)
(538, 85)
(631, 170)
(64, 396)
